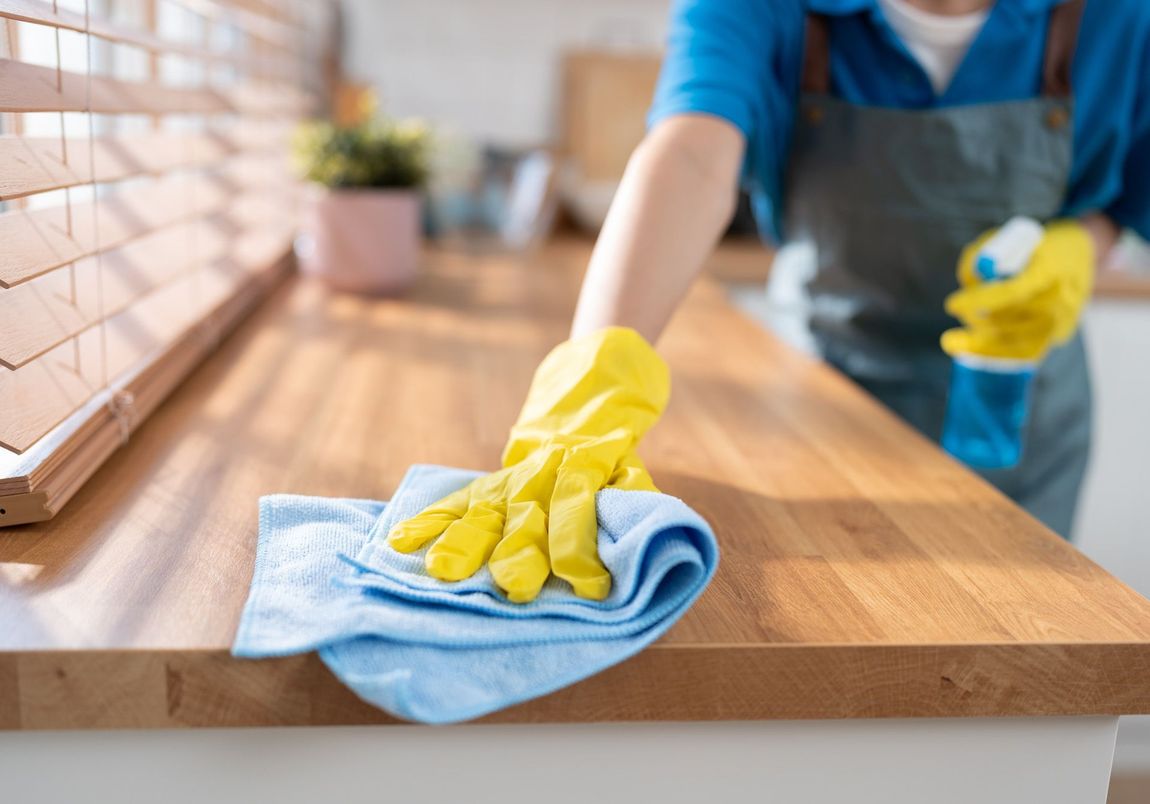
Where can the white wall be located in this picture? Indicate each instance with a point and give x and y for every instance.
(487, 69)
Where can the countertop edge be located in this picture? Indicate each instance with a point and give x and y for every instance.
(72, 689)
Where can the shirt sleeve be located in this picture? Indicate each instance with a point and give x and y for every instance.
(717, 62)
(1132, 209)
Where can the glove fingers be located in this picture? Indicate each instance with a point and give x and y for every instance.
(1016, 326)
(411, 534)
(573, 539)
(978, 301)
(520, 563)
(1053, 288)
(466, 544)
(533, 479)
(1042, 305)
(1017, 344)
(955, 341)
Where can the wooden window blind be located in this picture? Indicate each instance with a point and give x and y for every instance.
(146, 203)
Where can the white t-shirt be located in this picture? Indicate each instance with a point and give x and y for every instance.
(938, 41)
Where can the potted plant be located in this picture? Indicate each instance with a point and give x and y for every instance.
(364, 217)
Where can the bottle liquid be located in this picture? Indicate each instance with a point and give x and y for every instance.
(989, 397)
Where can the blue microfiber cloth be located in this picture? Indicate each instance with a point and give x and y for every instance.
(424, 650)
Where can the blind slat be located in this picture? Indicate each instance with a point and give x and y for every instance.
(36, 165)
(44, 392)
(271, 99)
(39, 241)
(30, 165)
(36, 317)
(33, 88)
(40, 315)
(42, 12)
(164, 315)
(39, 396)
(269, 30)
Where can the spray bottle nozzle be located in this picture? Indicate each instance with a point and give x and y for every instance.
(1009, 250)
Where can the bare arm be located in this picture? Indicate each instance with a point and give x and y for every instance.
(1105, 234)
(676, 198)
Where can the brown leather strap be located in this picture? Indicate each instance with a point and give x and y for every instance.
(817, 56)
(1061, 43)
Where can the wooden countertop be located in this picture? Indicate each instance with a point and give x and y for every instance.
(1115, 284)
(864, 574)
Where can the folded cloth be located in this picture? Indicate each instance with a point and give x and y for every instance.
(425, 650)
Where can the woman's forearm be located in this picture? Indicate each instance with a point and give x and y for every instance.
(1105, 233)
(675, 200)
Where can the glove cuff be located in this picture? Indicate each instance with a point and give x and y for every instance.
(607, 380)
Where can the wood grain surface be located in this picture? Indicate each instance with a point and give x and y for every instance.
(863, 573)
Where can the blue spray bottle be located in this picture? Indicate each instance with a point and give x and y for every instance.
(990, 397)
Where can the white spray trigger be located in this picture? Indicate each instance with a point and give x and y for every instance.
(1010, 249)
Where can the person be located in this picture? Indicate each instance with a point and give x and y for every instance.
(891, 135)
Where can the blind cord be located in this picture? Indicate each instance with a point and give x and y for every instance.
(121, 403)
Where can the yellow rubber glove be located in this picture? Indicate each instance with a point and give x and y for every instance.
(1024, 316)
(591, 401)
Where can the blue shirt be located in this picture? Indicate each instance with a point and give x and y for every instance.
(741, 60)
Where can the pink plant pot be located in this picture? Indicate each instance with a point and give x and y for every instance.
(364, 241)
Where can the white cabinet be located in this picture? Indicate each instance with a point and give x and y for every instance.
(1114, 516)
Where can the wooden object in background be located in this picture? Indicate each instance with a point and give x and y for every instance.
(353, 103)
(605, 98)
(864, 573)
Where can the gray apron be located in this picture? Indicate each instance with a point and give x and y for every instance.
(889, 197)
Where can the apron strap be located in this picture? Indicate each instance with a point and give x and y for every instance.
(1061, 42)
(816, 79)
